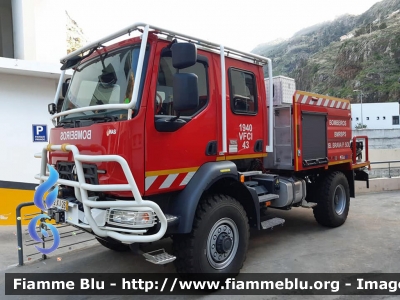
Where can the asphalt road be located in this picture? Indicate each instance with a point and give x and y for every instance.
(367, 243)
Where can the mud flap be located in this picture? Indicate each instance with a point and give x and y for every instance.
(362, 176)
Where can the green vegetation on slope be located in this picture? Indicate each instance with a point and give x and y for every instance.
(369, 60)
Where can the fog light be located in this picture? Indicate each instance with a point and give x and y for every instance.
(128, 218)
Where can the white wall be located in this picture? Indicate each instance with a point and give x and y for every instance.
(28, 83)
(39, 30)
(374, 110)
(23, 102)
(381, 138)
(50, 30)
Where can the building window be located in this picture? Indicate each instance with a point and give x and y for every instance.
(356, 119)
(6, 30)
(367, 118)
(395, 120)
(377, 118)
(243, 93)
(384, 118)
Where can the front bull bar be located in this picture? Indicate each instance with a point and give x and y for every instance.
(84, 187)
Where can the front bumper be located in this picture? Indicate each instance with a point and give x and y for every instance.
(94, 214)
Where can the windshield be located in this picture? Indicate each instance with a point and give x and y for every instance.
(107, 79)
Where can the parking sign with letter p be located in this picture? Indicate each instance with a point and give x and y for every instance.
(39, 133)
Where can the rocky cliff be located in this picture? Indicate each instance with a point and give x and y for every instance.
(350, 53)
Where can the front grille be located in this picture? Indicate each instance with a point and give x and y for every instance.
(67, 170)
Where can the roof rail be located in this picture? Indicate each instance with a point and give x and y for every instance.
(202, 43)
(172, 34)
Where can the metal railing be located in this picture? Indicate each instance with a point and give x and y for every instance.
(389, 164)
(19, 232)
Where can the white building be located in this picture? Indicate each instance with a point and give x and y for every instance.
(376, 115)
(32, 39)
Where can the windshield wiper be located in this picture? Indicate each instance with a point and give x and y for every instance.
(62, 123)
(103, 118)
(86, 121)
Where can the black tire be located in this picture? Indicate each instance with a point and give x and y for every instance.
(114, 246)
(333, 201)
(217, 214)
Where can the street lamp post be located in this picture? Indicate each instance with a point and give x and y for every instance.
(362, 120)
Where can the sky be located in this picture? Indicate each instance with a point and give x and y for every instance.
(239, 24)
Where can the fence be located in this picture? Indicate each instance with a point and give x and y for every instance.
(385, 169)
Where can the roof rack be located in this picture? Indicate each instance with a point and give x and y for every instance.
(170, 34)
(223, 51)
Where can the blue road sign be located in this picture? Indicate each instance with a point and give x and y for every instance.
(39, 133)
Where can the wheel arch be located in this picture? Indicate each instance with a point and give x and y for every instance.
(243, 195)
(350, 179)
(213, 177)
(314, 186)
(349, 176)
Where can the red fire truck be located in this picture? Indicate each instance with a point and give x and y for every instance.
(167, 135)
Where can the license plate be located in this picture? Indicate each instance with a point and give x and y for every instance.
(62, 204)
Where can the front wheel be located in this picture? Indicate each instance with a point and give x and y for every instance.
(219, 239)
(333, 201)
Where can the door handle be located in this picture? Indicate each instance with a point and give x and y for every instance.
(211, 148)
(258, 146)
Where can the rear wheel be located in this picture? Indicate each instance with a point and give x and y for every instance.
(333, 201)
(218, 241)
(113, 246)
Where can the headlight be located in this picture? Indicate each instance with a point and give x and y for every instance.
(128, 218)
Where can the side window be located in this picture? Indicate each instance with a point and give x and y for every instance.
(164, 96)
(243, 93)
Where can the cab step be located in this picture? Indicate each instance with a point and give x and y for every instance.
(268, 197)
(271, 223)
(250, 173)
(159, 257)
(251, 183)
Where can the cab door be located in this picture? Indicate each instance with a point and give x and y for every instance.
(176, 146)
(245, 110)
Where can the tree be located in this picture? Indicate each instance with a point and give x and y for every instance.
(360, 126)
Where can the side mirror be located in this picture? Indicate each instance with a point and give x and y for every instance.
(185, 93)
(65, 87)
(184, 55)
(52, 108)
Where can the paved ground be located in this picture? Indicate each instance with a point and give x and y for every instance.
(71, 240)
(367, 243)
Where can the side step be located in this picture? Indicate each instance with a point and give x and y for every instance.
(250, 173)
(159, 257)
(268, 197)
(272, 223)
(306, 204)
